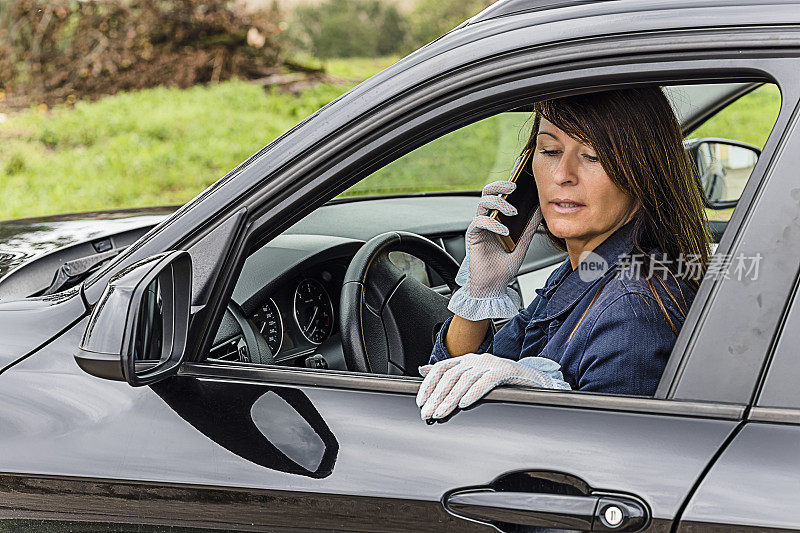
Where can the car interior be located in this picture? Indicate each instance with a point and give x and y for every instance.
(287, 305)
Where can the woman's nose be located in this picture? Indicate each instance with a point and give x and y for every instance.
(566, 171)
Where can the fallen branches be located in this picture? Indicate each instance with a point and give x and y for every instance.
(55, 52)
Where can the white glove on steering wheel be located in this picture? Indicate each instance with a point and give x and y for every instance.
(487, 269)
(461, 381)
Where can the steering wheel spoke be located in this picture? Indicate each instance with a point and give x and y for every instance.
(413, 316)
(389, 320)
(381, 281)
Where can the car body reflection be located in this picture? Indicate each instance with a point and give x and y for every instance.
(279, 429)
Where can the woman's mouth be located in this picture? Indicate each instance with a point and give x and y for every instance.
(566, 207)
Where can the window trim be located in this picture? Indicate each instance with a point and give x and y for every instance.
(662, 68)
(408, 385)
(777, 415)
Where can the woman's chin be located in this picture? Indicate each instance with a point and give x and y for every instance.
(565, 229)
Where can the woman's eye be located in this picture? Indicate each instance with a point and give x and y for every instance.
(549, 152)
(592, 158)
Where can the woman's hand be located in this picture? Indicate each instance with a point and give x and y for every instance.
(487, 269)
(461, 381)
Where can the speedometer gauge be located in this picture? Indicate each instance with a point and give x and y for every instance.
(313, 310)
(268, 321)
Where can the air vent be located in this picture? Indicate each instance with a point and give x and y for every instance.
(226, 351)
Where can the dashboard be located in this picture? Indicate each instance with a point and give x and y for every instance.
(297, 314)
(301, 313)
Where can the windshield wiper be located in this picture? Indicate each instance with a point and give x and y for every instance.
(72, 272)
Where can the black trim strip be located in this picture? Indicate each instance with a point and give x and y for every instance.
(340, 379)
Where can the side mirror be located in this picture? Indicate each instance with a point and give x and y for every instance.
(723, 168)
(137, 332)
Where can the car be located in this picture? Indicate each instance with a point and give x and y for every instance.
(247, 361)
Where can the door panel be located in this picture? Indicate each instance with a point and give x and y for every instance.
(753, 486)
(212, 453)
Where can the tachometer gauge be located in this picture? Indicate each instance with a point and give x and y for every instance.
(313, 310)
(268, 321)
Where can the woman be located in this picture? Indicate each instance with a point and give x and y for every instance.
(618, 194)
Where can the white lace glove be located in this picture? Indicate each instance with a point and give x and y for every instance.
(461, 381)
(487, 269)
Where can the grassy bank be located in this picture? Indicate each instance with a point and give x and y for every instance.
(164, 146)
(152, 147)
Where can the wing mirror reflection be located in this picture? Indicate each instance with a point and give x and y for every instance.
(137, 332)
(723, 168)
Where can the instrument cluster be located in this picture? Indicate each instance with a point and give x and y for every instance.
(301, 315)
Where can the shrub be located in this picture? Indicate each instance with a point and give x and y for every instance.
(369, 28)
(430, 19)
(349, 28)
(15, 164)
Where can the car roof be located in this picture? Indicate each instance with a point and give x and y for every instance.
(504, 8)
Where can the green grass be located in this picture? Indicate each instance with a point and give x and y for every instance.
(153, 147)
(749, 119)
(466, 159)
(164, 146)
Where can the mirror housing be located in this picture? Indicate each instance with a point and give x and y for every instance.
(138, 330)
(723, 167)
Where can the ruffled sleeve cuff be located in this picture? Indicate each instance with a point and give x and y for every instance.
(549, 368)
(464, 305)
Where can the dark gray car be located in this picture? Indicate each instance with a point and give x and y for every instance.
(138, 391)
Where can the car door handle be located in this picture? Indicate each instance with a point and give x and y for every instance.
(605, 512)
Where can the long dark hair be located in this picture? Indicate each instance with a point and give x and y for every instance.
(639, 143)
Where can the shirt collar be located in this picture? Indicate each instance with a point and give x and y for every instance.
(568, 285)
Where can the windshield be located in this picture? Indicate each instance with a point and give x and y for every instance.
(470, 157)
(463, 160)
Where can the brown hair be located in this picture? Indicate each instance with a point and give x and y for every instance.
(640, 145)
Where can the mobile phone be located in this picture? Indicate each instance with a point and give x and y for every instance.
(525, 198)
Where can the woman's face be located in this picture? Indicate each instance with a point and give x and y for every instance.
(568, 170)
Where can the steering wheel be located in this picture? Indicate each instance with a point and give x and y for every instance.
(388, 319)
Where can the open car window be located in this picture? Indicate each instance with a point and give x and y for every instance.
(469, 158)
(285, 308)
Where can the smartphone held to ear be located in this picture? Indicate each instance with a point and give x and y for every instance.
(525, 198)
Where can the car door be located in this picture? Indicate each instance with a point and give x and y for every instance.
(754, 485)
(545, 459)
(251, 449)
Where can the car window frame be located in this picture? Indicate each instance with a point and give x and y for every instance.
(660, 70)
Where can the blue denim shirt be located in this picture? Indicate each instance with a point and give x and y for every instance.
(623, 340)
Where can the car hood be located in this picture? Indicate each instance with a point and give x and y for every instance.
(24, 241)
